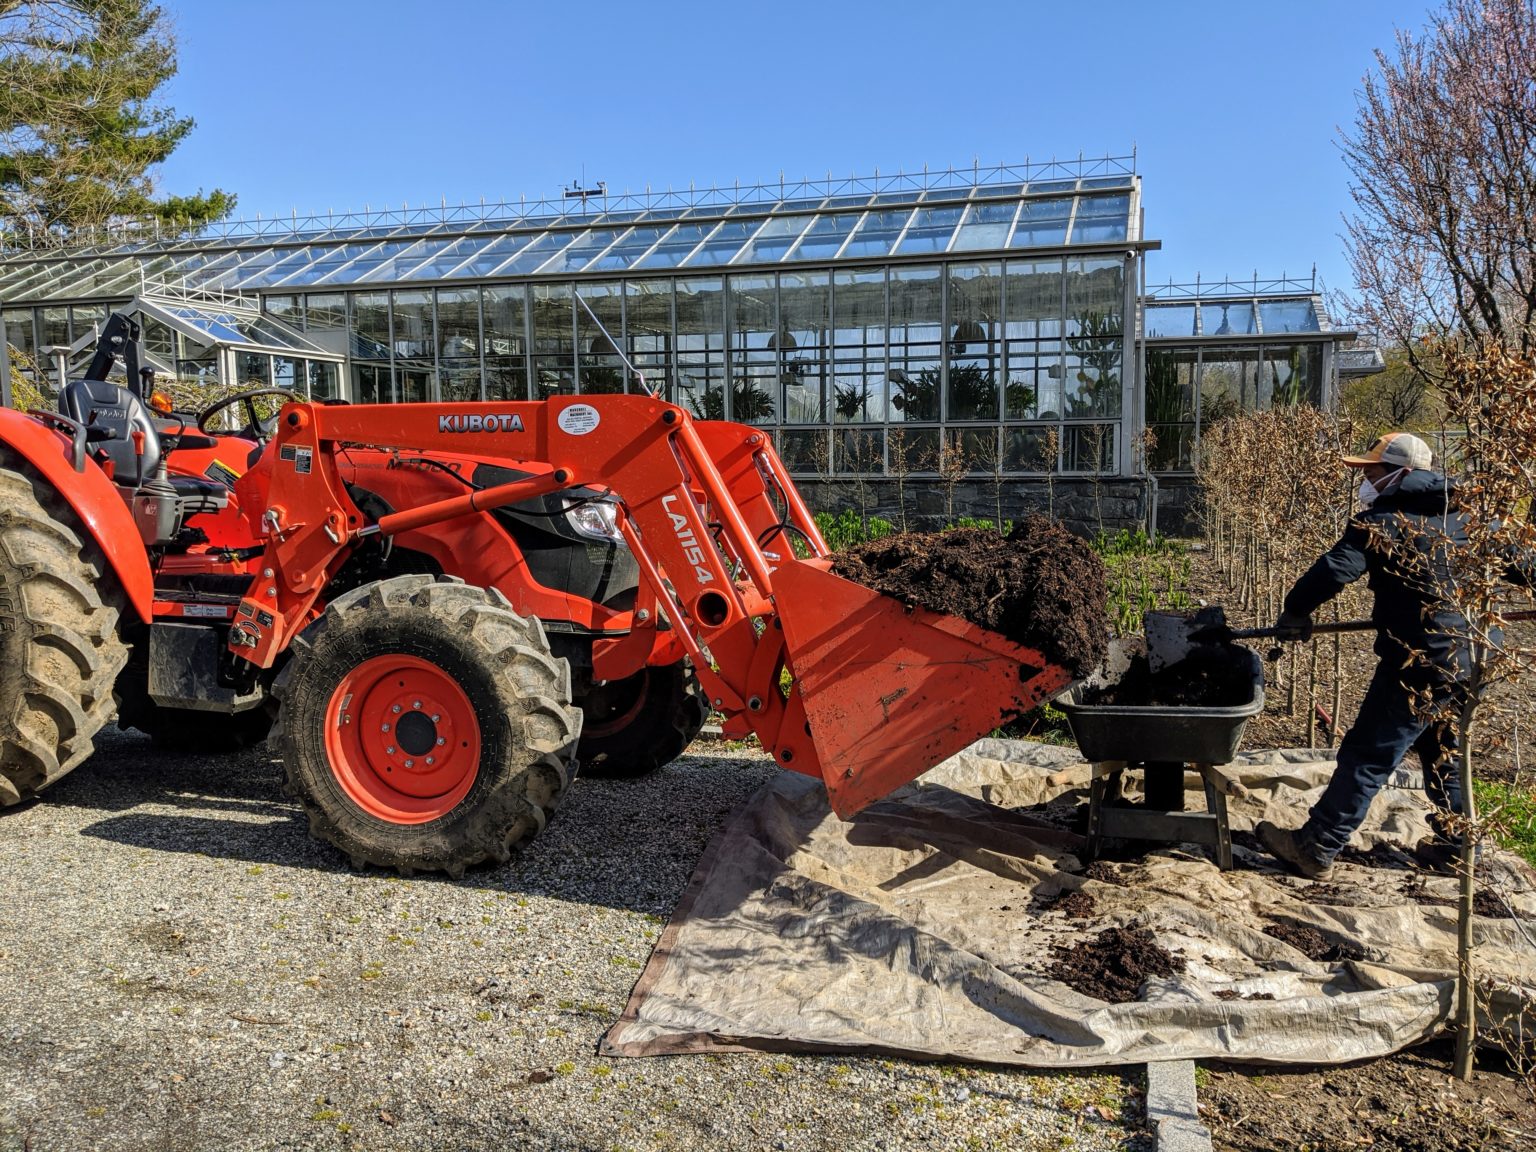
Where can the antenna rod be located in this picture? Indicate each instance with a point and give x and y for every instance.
(617, 351)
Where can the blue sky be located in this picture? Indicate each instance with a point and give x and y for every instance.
(1233, 109)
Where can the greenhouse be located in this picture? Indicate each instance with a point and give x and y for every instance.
(976, 323)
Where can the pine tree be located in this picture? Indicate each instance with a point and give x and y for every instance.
(80, 125)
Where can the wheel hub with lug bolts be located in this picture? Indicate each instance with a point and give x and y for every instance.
(423, 738)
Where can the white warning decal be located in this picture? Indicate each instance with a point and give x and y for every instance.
(579, 419)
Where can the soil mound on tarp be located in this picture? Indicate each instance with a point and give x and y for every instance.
(1313, 944)
(1209, 677)
(1112, 966)
(1040, 586)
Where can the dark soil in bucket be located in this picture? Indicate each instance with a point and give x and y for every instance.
(1209, 677)
(1040, 586)
(1113, 964)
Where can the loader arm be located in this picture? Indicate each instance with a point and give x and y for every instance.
(879, 691)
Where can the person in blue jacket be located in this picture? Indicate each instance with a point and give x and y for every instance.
(1398, 540)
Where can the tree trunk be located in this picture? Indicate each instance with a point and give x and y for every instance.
(1466, 990)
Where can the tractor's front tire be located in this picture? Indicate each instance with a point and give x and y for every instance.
(425, 726)
(59, 648)
(632, 727)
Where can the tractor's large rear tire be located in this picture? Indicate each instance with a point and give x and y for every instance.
(59, 648)
(632, 727)
(425, 726)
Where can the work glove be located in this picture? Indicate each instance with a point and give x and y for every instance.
(1293, 626)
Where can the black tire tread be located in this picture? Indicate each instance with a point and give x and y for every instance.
(516, 651)
(63, 652)
(666, 724)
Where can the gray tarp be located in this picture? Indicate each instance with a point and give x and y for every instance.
(922, 928)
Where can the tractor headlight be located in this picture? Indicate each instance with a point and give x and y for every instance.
(596, 520)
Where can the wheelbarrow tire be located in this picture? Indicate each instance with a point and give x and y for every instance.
(425, 726)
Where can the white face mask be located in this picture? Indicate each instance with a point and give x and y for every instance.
(1369, 492)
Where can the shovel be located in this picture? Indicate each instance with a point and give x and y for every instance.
(1171, 636)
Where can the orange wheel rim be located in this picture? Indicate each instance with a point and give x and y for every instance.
(402, 739)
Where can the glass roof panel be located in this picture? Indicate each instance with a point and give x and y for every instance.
(996, 191)
(219, 327)
(535, 253)
(931, 230)
(575, 256)
(938, 195)
(231, 326)
(1101, 218)
(906, 197)
(1288, 316)
(775, 238)
(877, 232)
(723, 243)
(629, 249)
(1038, 186)
(1169, 320)
(491, 253)
(800, 204)
(1041, 223)
(438, 258)
(378, 265)
(1227, 318)
(856, 199)
(683, 239)
(21, 284)
(1124, 181)
(985, 226)
(294, 263)
(322, 263)
(123, 276)
(824, 237)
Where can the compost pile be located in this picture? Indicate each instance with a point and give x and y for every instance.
(1112, 965)
(1040, 586)
(1209, 677)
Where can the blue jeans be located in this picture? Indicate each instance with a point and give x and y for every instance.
(1383, 732)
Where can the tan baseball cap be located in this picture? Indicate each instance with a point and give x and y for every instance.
(1397, 449)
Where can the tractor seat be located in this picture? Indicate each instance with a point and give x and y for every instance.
(102, 405)
(162, 505)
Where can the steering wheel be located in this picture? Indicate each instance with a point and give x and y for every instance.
(255, 427)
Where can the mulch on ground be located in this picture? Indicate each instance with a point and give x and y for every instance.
(1312, 944)
(1040, 586)
(1112, 965)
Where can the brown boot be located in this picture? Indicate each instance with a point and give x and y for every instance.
(1290, 849)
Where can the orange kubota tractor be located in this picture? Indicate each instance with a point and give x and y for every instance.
(447, 607)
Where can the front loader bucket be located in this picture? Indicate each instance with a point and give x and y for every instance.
(890, 690)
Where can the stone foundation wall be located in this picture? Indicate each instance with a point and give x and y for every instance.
(1081, 505)
(1178, 505)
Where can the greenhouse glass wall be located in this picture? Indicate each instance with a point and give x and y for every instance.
(985, 322)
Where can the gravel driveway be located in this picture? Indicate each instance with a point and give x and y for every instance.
(183, 968)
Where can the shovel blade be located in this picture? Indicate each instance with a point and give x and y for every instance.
(1171, 636)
